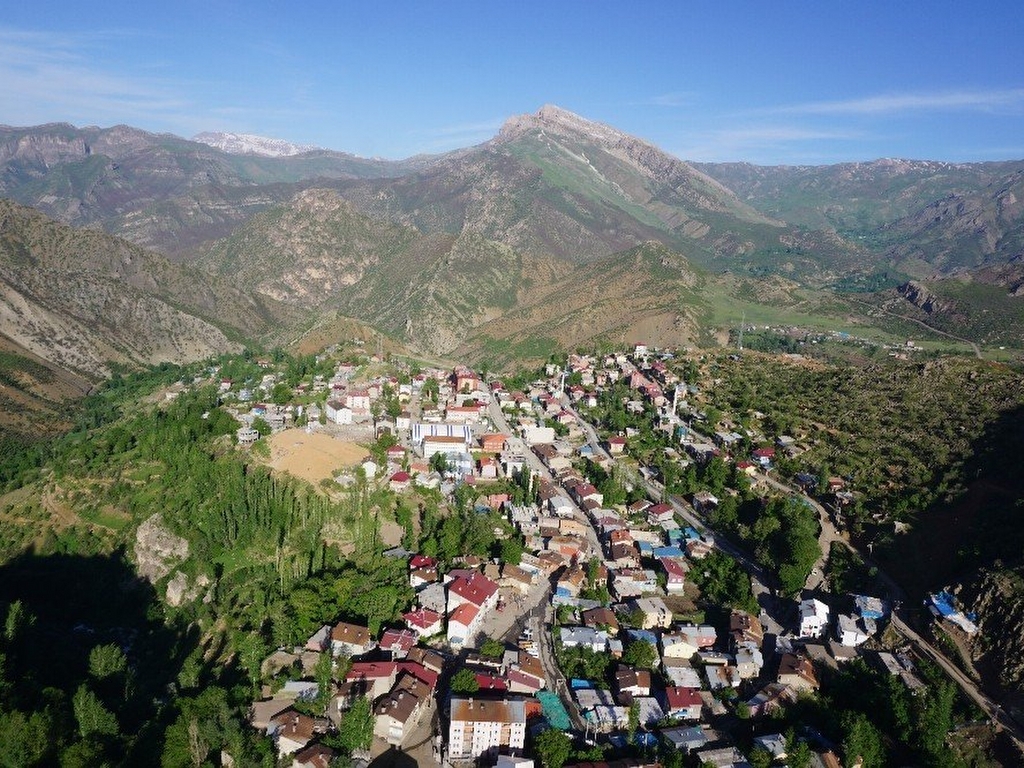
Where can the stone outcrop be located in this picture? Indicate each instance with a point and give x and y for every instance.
(157, 550)
(921, 297)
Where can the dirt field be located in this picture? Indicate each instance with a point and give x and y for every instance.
(312, 457)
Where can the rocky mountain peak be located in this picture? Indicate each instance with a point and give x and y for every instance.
(250, 144)
(552, 119)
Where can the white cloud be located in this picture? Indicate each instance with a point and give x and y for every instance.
(45, 76)
(944, 101)
(759, 142)
(673, 99)
(458, 135)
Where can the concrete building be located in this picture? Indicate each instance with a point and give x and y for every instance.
(481, 728)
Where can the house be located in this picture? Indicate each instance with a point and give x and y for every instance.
(675, 575)
(654, 611)
(319, 640)
(516, 578)
(473, 588)
(601, 618)
(449, 445)
(680, 672)
(493, 442)
(660, 513)
(851, 631)
(631, 682)
(772, 743)
(399, 710)
(261, 713)
(350, 639)
(421, 577)
(649, 711)
(571, 582)
(293, 731)
(677, 645)
(749, 661)
(508, 761)
(525, 675)
(374, 677)
(813, 618)
(745, 628)
(585, 491)
(338, 412)
(316, 755)
(400, 481)
(772, 697)
(722, 757)
(684, 740)
(584, 637)
(698, 549)
(429, 660)
(703, 636)
(481, 728)
(487, 468)
(463, 623)
(398, 642)
(683, 703)
(797, 672)
(616, 445)
(623, 554)
(423, 621)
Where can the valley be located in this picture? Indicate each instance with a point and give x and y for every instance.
(557, 430)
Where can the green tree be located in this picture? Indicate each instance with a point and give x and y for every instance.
(93, 718)
(439, 463)
(760, 758)
(106, 660)
(633, 721)
(512, 550)
(430, 389)
(640, 654)
(553, 748)
(464, 681)
(492, 649)
(355, 731)
(27, 739)
(251, 652)
(861, 739)
(281, 394)
(324, 675)
(261, 426)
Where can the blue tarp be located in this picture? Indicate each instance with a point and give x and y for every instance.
(576, 684)
(554, 710)
(943, 602)
(668, 552)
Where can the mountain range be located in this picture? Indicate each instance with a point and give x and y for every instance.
(557, 232)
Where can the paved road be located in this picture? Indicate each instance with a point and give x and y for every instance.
(539, 470)
(975, 347)
(988, 705)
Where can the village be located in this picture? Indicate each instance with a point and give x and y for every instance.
(597, 632)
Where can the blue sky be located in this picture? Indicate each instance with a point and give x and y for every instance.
(766, 82)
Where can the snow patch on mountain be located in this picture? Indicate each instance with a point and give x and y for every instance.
(249, 144)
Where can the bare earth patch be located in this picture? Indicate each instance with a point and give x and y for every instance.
(312, 457)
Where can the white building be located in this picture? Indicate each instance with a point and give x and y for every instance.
(338, 412)
(481, 728)
(849, 632)
(813, 618)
